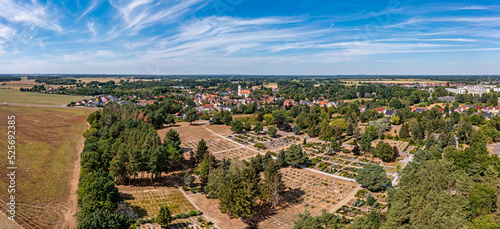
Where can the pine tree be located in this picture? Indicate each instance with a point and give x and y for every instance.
(201, 151)
(356, 133)
(273, 185)
(281, 159)
(172, 137)
(164, 217)
(175, 156)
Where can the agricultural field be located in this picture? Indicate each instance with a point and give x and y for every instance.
(13, 96)
(48, 144)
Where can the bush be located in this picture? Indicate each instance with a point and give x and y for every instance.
(185, 188)
(182, 216)
(140, 221)
(260, 146)
(192, 213)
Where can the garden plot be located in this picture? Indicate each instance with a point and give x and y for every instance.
(280, 143)
(319, 191)
(247, 139)
(148, 200)
(214, 145)
(241, 153)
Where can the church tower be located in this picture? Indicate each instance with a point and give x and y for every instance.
(239, 90)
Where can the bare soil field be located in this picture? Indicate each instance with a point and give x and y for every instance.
(48, 145)
(196, 131)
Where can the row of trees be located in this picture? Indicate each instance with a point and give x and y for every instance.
(120, 147)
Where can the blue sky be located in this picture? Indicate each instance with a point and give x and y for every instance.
(250, 37)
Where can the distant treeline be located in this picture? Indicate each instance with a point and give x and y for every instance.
(9, 78)
(56, 81)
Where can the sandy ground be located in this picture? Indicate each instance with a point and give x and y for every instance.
(196, 131)
(210, 207)
(69, 216)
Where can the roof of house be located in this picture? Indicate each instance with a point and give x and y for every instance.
(244, 92)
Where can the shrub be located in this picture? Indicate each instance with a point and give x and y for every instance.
(182, 216)
(260, 146)
(192, 213)
(185, 188)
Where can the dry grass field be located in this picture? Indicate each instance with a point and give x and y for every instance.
(13, 96)
(48, 143)
(149, 199)
(196, 131)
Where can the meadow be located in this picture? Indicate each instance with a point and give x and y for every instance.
(48, 143)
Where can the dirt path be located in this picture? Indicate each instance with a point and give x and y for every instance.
(69, 217)
(345, 200)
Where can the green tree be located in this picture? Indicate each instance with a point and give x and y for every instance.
(169, 119)
(385, 151)
(464, 129)
(102, 219)
(423, 155)
(373, 177)
(172, 137)
(201, 151)
(164, 217)
(404, 132)
(258, 128)
(237, 126)
(483, 199)
(191, 117)
(478, 143)
(273, 185)
(365, 142)
(272, 131)
(295, 156)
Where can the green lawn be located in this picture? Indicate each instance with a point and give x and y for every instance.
(18, 97)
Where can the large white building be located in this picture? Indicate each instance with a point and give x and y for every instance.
(474, 89)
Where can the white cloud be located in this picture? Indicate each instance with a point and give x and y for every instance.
(90, 26)
(29, 13)
(7, 33)
(139, 14)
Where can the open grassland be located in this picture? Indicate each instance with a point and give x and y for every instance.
(48, 143)
(12, 96)
(24, 82)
